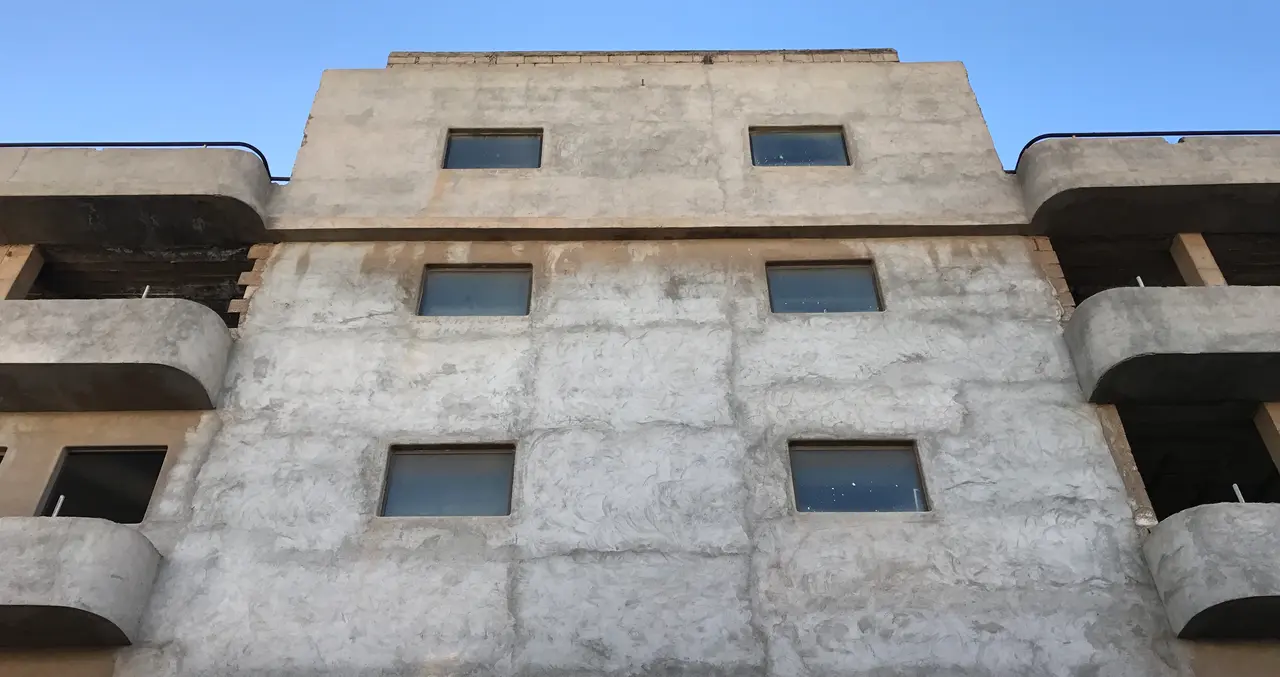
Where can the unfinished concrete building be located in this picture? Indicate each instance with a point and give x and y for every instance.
(695, 363)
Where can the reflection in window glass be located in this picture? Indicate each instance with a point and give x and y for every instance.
(806, 146)
(447, 483)
(822, 288)
(476, 291)
(500, 150)
(108, 483)
(880, 478)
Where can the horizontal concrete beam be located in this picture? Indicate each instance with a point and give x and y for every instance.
(1177, 344)
(110, 355)
(1216, 569)
(71, 581)
(1148, 185)
(148, 197)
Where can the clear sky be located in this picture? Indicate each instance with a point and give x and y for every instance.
(247, 71)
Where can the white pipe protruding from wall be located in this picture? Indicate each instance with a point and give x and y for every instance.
(1239, 496)
(57, 507)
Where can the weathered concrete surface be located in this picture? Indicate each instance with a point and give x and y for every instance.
(1177, 344)
(110, 355)
(131, 196)
(1216, 569)
(646, 150)
(71, 581)
(651, 395)
(1147, 185)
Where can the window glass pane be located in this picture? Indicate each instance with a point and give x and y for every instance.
(449, 484)
(111, 484)
(783, 148)
(480, 151)
(872, 479)
(822, 289)
(476, 291)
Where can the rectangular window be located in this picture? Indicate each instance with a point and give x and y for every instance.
(798, 146)
(113, 483)
(857, 477)
(1193, 454)
(822, 288)
(476, 290)
(493, 149)
(449, 481)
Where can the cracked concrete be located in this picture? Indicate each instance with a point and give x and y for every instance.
(651, 395)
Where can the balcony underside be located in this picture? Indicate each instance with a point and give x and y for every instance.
(1111, 211)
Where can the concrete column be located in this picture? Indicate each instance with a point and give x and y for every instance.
(1043, 254)
(19, 265)
(1268, 422)
(1122, 454)
(1195, 261)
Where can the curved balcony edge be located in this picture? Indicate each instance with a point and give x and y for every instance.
(152, 197)
(72, 582)
(1215, 569)
(111, 355)
(1177, 344)
(1126, 185)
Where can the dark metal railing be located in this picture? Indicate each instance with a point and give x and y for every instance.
(1118, 135)
(148, 144)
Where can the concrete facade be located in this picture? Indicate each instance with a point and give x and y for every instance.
(650, 395)
(645, 147)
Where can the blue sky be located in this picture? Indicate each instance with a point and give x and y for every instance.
(247, 71)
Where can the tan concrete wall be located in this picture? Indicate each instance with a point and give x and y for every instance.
(34, 444)
(59, 663)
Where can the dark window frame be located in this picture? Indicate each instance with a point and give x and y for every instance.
(447, 449)
(754, 130)
(495, 267)
(833, 263)
(895, 444)
(491, 132)
(47, 497)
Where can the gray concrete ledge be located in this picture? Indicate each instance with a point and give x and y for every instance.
(706, 57)
(150, 197)
(1216, 569)
(1177, 344)
(71, 581)
(110, 355)
(1148, 185)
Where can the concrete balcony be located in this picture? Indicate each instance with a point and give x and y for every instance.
(110, 355)
(1147, 186)
(1216, 569)
(132, 197)
(1177, 344)
(70, 581)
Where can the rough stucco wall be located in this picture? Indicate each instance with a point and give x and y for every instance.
(645, 146)
(651, 394)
